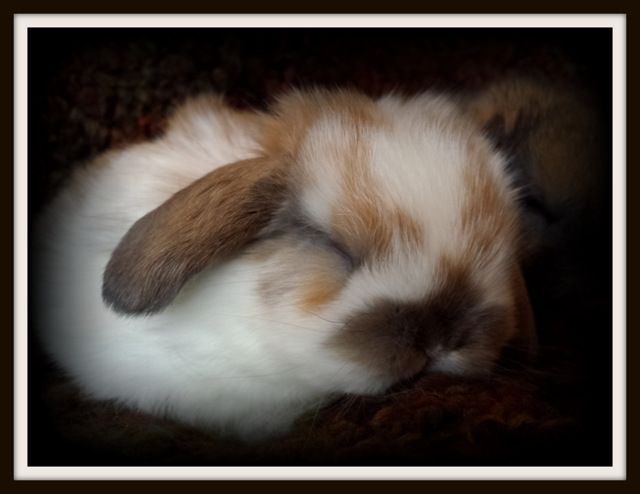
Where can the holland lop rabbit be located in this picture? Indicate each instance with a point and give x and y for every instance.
(247, 266)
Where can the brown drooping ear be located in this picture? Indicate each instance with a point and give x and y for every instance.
(205, 222)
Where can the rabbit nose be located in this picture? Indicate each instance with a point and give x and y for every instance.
(435, 334)
(401, 339)
(432, 327)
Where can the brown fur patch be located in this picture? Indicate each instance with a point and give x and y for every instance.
(293, 115)
(310, 284)
(363, 222)
(368, 228)
(488, 217)
(321, 286)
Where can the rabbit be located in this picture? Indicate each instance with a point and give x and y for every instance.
(557, 141)
(247, 267)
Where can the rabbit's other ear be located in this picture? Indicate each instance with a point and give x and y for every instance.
(554, 139)
(207, 221)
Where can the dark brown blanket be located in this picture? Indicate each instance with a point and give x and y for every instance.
(90, 90)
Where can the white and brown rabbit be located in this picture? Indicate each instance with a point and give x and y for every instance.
(247, 266)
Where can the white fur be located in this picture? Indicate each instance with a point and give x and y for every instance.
(222, 355)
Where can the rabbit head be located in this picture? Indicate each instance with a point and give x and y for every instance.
(381, 237)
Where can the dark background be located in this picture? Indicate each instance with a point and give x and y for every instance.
(94, 89)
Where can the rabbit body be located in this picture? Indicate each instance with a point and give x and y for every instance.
(247, 267)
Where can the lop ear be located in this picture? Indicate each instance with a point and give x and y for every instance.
(205, 222)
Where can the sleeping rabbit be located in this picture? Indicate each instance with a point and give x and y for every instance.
(247, 267)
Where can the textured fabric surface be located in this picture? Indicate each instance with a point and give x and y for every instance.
(91, 90)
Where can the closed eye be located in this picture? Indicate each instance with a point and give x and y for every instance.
(309, 230)
(343, 252)
(319, 235)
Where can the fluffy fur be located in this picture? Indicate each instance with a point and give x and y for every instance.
(247, 267)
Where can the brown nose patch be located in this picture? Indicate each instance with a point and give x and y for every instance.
(400, 339)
